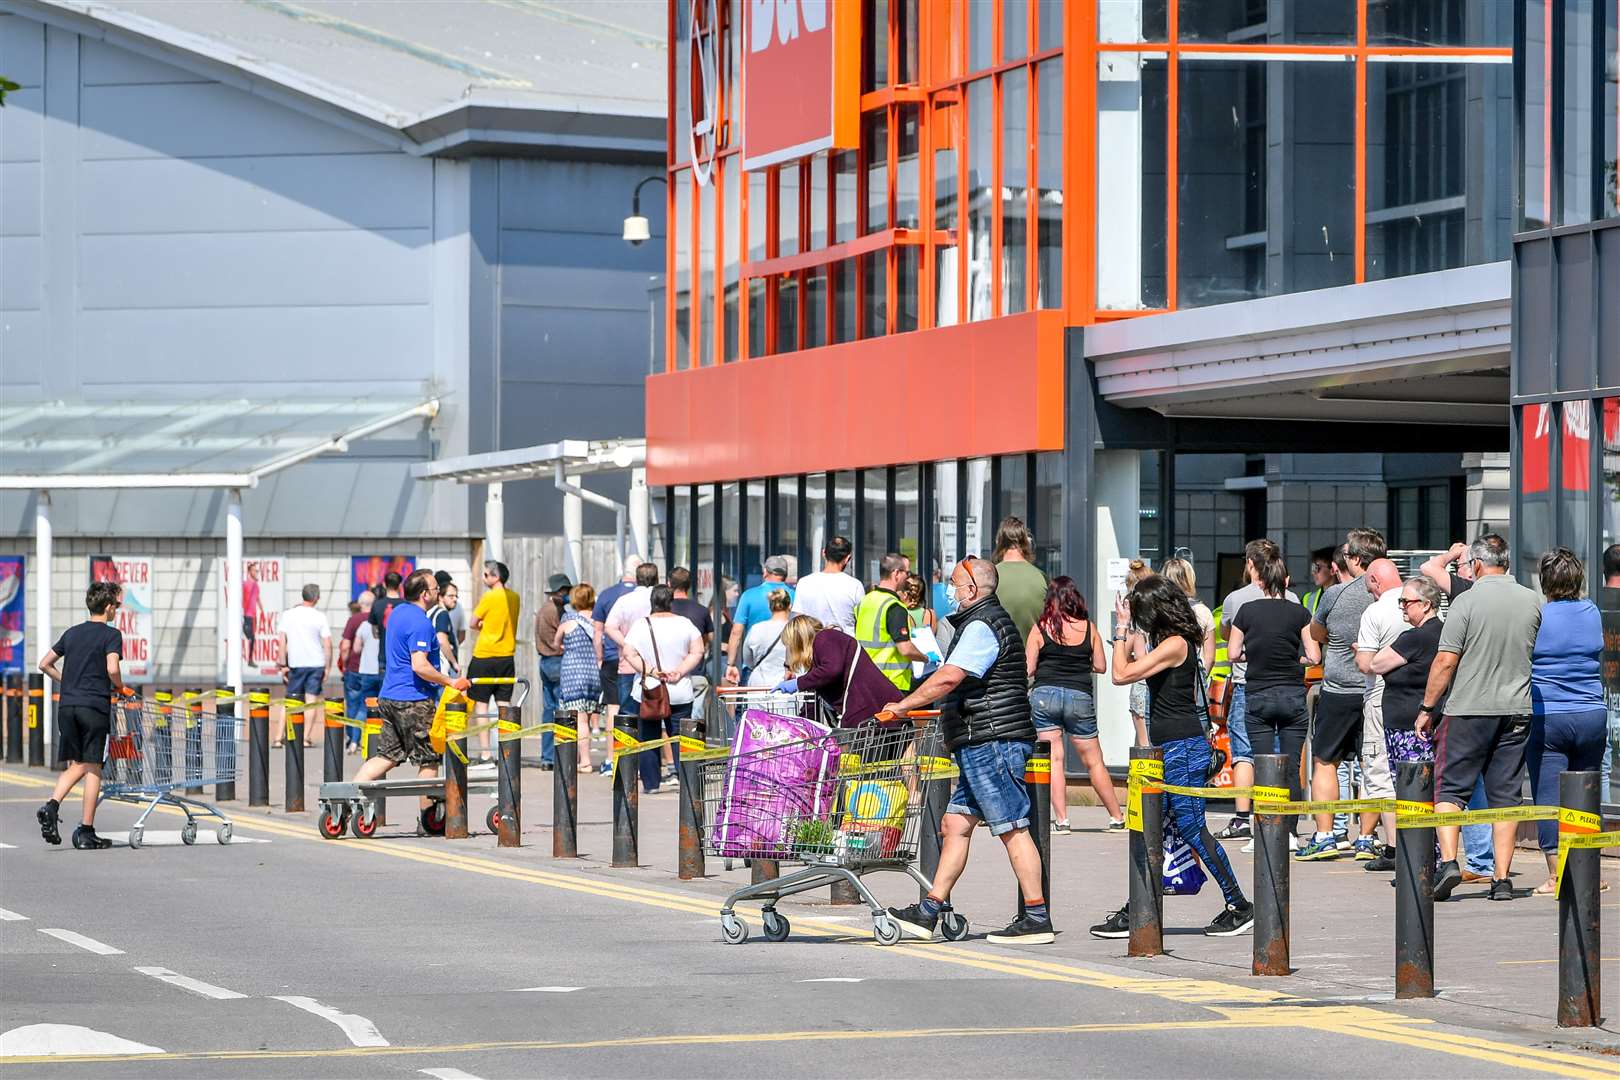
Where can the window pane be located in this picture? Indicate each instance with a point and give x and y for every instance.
(843, 494)
(874, 44)
(1437, 530)
(977, 531)
(787, 314)
(875, 147)
(1535, 61)
(815, 503)
(1580, 97)
(1313, 22)
(947, 267)
(680, 530)
(732, 238)
(820, 166)
(1014, 190)
(945, 488)
(1439, 22)
(906, 177)
(1014, 495)
(681, 144)
(1132, 99)
(844, 181)
(1238, 239)
(1131, 20)
(1575, 471)
(981, 30)
(874, 540)
(787, 210)
(1533, 534)
(1611, 502)
(907, 260)
(682, 232)
(875, 294)
(815, 308)
(981, 130)
(787, 522)
(730, 561)
(907, 33)
(1047, 518)
(1609, 184)
(704, 293)
(758, 210)
(907, 519)
(757, 306)
(704, 570)
(1050, 26)
(845, 300)
(1049, 178)
(1014, 29)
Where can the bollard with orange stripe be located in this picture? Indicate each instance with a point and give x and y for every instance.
(258, 749)
(1038, 779)
(34, 714)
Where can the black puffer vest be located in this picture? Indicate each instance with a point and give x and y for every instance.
(996, 707)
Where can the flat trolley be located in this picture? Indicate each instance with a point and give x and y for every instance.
(843, 802)
(162, 752)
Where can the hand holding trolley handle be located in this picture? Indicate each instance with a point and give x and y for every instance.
(917, 716)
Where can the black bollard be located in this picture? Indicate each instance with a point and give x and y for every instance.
(292, 713)
(258, 749)
(1414, 884)
(455, 770)
(509, 762)
(1271, 871)
(332, 746)
(11, 704)
(225, 758)
(565, 789)
(34, 709)
(1147, 859)
(1038, 779)
(194, 741)
(936, 793)
(626, 798)
(689, 853)
(1580, 997)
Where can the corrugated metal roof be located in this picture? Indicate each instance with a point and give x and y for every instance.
(410, 64)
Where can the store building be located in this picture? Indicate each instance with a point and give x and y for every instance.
(1150, 274)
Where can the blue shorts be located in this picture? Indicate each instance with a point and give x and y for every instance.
(991, 787)
(1062, 707)
(305, 680)
(1237, 724)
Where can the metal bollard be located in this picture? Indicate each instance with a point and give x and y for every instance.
(1271, 872)
(455, 771)
(509, 762)
(1580, 997)
(565, 790)
(936, 793)
(1414, 887)
(1146, 902)
(332, 746)
(11, 705)
(690, 852)
(34, 710)
(258, 749)
(368, 747)
(194, 740)
(1038, 779)
(293, 796)
(225, 748)
(626, 799)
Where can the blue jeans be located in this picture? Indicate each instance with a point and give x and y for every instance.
(550, 689)
(356, 689)
(1559, 742)
(1186, 763)
(991, 787)
(1478, 853)
(648, 761)
(1349, 780)
(627, 689)
(1237, 724)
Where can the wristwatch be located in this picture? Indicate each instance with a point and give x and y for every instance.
(1426, 708)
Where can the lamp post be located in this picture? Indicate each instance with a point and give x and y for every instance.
(635, 226)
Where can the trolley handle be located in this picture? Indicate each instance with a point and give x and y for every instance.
(917, 716)
(522, 685)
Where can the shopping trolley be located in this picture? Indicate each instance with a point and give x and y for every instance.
(844, 802)
(157, 751)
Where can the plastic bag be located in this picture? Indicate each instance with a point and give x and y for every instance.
(1182, 874)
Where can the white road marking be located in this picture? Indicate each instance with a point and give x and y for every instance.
(9, 847)
(88, 943)
(11, 916)
(836, 978)
(53, 1040)
(171, 838)
(448, 1074)
(360, 1031)
(186, 982)
(547, 989)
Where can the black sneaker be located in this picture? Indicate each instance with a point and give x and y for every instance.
(1446, 878)
(1501, 889)
(85, 839)
(1384, 863)
(1236, 829)
(48, 822)
(1232, 921)
(914, 923)
(1117, 925)
(1024, 930)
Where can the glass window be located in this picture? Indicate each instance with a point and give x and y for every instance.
(1132, 20)
(1315, 22)
(907, 515)
(978, 531)
(758, 212)
(820, 167)
(874, 294)
(787, 535)
(681, 528)
(704, 292)
(704, 570)
(907, 266)
(1416, 169)
(874, 44)
(1534, 531)
(1149, 507)
(731, 240)
(1609, 183)
(1580, 98)
(947, 267)
(787, 210)
(815, 307)
(758, 303)
(874, 539)
(906, 34)
(906, 179)
(1047, 519)
(681, 143)
(844, 184)
(787, 313)
(1014, 191)
(752, 565)
(1049, 185)
(1535, 63)
(1050, 24)
(1236, 240)
(815, 519)
(729, 566)
(845, 300)
(843, 512)
(981, 34)
(980, 178)
(1575, 471)
(1132, 99)
(1611, 500)
(1013, 498)
(1439, 22)
(948, 549)
(875, 147)
(682, 291)
(1014, 29)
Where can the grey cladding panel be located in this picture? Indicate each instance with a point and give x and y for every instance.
(576, 196)
(22, 51)
(523, 248)
(22, 125)
(101, 64)
(19, 199)
(575, 287)
(544, 412)
(573, 346)
(202, 119)
(22, 349)
(19, 273)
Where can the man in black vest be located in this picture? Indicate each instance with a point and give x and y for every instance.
(984, 717)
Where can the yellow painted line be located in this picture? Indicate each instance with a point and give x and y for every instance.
(1554, 960)
(24, 780)
(1518, 1057)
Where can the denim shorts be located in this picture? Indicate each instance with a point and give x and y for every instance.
(1062, 707)
(305, 680)
(1237, 724)
(991, 787)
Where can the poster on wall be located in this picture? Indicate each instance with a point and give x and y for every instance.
(264, 598)
(13, 604)
(134, 621)
(368, 571)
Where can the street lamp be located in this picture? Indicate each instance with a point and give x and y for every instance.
(635, 226)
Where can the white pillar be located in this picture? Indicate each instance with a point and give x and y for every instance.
(574, 536)
(640, 515)
(494, 523)
(1117, 480)
(47, 633)
(233, 594)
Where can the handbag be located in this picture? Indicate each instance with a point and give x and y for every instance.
(654, 698)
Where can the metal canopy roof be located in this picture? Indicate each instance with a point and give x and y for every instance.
(231, 443)
(576, 456)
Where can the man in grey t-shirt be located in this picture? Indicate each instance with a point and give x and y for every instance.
(1484, 657)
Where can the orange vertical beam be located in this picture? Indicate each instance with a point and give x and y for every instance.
(1079, 165)
(964, 135)
(1360, 185)
(669, 201)
(1032, 164)
(997, 147)
(1172, 152)
(891, 258)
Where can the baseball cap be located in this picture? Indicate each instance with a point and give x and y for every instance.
(776, 564)
(557, 583)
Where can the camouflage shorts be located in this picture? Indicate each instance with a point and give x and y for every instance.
(404, 734)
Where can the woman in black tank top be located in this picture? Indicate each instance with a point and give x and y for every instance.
(1064, 650)
(1176, 725)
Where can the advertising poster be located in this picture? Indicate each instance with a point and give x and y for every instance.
(264, 598)
(13, 603)
(368, 571)
(134, 573)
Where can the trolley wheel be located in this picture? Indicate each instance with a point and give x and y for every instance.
(886, 930)
(137, 836)
(224, 832)
(733, 931)
(331, 823)
(433, 819)
(777, 927)
(188, 833)
(953, 926)
(492, 820)
(364, 824)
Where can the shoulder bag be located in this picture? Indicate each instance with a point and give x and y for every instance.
(654, 691)
(1216, 758)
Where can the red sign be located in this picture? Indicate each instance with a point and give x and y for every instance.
(801, 78)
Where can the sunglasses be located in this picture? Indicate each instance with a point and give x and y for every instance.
(1404, 602)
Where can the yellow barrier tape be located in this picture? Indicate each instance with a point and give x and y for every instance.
(561, 732)
(1142, 771)
(1330, 806)
(1578, 829)
(1406, 808)
(937, 768)
(1476, 817)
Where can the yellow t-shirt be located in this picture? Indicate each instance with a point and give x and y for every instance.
(497, 635)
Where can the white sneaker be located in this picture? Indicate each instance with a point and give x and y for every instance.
(1248, 849)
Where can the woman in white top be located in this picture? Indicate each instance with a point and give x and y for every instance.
(764, 653)
(663, 647)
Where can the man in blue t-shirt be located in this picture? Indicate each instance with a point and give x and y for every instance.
(754, 605)
(407, 699)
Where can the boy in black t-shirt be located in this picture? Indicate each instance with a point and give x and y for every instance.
(84, 665)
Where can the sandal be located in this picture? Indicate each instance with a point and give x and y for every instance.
(277, 745)
(1546, 888)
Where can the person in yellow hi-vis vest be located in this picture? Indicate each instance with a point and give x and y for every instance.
(882, 626)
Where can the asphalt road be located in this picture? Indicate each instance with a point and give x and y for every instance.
(283, 955)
